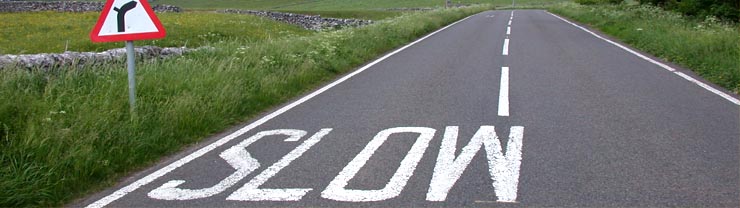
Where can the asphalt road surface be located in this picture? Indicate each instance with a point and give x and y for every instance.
(504, 108)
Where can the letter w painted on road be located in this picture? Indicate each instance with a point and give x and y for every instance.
(504, 169)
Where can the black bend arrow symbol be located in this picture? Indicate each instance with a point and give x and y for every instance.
(122, 14)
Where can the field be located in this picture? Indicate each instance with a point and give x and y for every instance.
(708, 47)
(331, 6)
(312, 5)
(53, 32)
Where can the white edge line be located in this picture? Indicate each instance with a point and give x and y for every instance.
(503, 95)
(662, 65)
(161, 172)
(505, 51)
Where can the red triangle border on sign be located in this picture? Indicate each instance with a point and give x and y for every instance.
(95, 37)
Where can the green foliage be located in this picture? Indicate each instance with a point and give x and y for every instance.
(53, 32)
(68, 132)
(589, 2)
(724, 9)
(594, 2)
(708, 47)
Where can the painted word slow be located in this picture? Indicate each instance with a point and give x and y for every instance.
(503, 167)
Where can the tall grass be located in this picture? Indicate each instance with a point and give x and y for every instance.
(709, 47)
(53, 32)
(68, 132)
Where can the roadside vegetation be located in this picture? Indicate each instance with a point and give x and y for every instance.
(707, 45)
(68, 132)
(727, 10)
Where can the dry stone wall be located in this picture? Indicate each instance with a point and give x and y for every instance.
(410, 9)
(46, 60)
(309, 22)
(66, 6)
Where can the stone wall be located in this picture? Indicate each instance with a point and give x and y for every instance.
(66, 6)
(410, 9)
(46, 61)
(310, 22)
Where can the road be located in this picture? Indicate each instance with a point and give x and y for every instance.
(504, 108)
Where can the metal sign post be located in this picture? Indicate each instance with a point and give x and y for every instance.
(131, 62)
(113, 27)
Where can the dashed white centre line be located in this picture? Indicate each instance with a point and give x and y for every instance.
(511, 18)
(505, 51)
(503, 95)
(508, 30)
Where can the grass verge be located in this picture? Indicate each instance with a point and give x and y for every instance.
(709, 48)
(68, 132)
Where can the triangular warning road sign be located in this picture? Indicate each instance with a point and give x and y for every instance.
(124, 20)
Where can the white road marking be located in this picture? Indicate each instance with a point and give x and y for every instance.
(508, 30)
(169, 168)
(509, 22)
(503, 95)
(512, 15)
(707, 87)
(336, 190)
(504, 169)
(251, 190)
(505, 51)
(449, 169)
(236, 156)
(662, 65)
